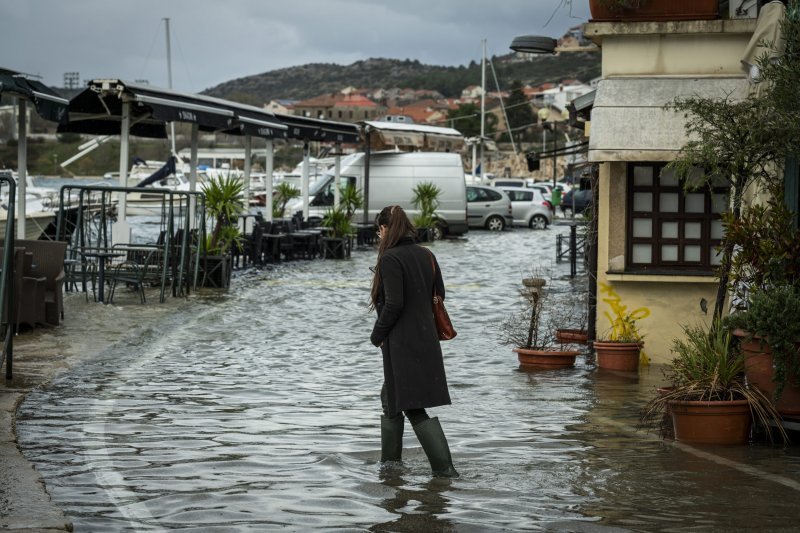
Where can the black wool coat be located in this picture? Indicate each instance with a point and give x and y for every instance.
(413, 368)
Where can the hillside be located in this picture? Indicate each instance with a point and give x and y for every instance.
(313, 79)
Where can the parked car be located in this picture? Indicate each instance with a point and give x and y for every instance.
(488, 207)
(508, 182)
(583, 199)
(529, 207)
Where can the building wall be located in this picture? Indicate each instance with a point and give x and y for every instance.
(701, 48)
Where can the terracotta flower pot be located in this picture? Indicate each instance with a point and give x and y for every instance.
(545, 358)
(654, 10)
(700, 422)
(622, 356)
(572, 336)
(758, 369)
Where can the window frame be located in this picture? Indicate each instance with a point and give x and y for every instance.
(681, 217)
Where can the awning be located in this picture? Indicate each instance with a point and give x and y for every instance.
(48, 104)
(98, 110)
(630, 121)
(311, 129)
(388, 135)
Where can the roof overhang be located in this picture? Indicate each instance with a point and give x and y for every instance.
(413, 136)
(311, 129)
(98, 110)
(631, 119)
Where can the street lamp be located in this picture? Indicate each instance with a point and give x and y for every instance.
(534, 44)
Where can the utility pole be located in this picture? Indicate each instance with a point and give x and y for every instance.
(483, 101)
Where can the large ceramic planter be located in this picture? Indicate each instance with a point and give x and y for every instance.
(654, 10)
(758, 369)
(621, 356)
(545, 358)
(698, 422)
(572, 336)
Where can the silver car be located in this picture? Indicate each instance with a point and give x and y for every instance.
(530, 207)
(488, 207)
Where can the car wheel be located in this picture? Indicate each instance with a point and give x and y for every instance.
(495, 223)
(538, 222)
(438, 232)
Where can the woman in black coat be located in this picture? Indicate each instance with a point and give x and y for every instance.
(413, 369)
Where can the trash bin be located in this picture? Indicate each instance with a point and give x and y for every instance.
(556, 197)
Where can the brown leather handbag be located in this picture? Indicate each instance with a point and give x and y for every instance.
(444, 327)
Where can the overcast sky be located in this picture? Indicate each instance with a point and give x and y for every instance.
(214, 41)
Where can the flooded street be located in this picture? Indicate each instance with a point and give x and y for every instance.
(258, 409)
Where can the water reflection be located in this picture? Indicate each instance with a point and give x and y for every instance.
(258, 409)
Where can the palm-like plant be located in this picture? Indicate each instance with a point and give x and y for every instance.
(708, 367)
(284, 192)
(224, 203)
(351, 199)
(426, 200)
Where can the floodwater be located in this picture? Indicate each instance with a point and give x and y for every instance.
(258, 409)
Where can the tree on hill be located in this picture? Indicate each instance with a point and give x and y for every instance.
(467, 120)
(520, 114)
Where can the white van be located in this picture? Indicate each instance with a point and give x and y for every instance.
(392, 178)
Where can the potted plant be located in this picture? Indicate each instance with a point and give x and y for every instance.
(620, 347)
(337, 243)
(426, 200)
(224, 203)
(532, 333)
(284, 192)
(652, 10)
(708, 400)
(770, 331)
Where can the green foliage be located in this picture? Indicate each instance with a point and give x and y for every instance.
(351, 199)
(339, 221)
(467, 119)
(306, 81)
(224, 204)
(520, 116)
(707, 367)
(774, 316)
(284, 192)
(426, 200)
(767, 247)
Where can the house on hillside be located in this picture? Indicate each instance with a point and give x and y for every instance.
(284, 107)
(351, 107)
(656, 243)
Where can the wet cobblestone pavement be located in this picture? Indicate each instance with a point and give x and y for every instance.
(258, 410)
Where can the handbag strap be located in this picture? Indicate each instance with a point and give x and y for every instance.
(433, 266)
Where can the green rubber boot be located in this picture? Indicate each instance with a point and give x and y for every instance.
(434, 443)
(391, 438)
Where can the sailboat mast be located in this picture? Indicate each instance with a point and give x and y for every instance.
(169, 80)
(483, 102)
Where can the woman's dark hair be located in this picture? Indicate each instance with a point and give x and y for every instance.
(397, 226)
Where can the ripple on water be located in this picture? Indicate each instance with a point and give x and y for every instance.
(258, 409)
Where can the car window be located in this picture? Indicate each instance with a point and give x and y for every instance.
(475, 194)
(493, 195)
